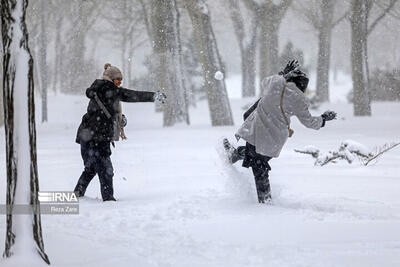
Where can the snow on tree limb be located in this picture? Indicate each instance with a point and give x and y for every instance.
(380, 151)
(348, 150)
(311, 150)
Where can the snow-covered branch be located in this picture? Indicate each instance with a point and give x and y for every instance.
(349, 150)
(380, 151)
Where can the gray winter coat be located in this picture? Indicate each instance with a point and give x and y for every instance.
(266, 128)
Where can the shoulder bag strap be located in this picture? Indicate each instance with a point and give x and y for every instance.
(251, 109)
(283, 113)
(101, 105)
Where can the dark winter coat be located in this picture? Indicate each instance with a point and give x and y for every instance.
(95, 125)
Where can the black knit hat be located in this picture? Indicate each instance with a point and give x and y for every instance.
(292, 73)
(300, 79)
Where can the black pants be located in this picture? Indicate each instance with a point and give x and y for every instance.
(260, 167)
(96, 157)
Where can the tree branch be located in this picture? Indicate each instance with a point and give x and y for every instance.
(237, 21)
(146, 20)
(349, 151)
(252, 5)
(384, 149)
(309, 13)
(283, 7)
(345, 15)
(379, 18)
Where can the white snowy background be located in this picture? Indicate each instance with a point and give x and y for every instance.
(180, 204)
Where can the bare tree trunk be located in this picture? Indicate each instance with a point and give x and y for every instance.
(1, 101)
(1, 79)
(248, 57)
(124, 43)
(75, 65)
(43, 60)
(167, 51)
(247, 46)
(147, 20)
(250, 52)
(324, 50)
(361, 101)
(270, 28)
(262, 52)
(76, 58)
(268, 47)
(1, 95)
(130, 61)
(218, 101)
(58, 54)
(270, 16)
(19, 109)
(123, 53)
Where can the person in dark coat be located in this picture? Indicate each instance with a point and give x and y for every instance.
(97, 129)
(267, 124)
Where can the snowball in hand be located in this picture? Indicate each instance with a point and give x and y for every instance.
(219, 76)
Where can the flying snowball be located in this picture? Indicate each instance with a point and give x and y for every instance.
(219, 76)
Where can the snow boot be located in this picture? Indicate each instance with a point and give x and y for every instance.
(229, 149)
(262, 185)
(231, 152)
(79, 190)
(264, 197)
(109, 199)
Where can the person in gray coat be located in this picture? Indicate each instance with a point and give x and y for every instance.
(267, 124)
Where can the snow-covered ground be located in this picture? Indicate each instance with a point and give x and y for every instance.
(179, 204)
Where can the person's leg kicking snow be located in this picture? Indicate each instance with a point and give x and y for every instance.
(267, 124)
(258, 163)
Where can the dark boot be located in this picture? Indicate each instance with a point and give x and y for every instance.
(83, 182)
(79, 190)
(106, 173)
(263, 192)
(110, 199)
(262, 185)
(233, 154)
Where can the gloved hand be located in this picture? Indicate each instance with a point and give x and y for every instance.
(290, 66)
(160, 97)
(291, 74)
(124, 121)
(329, 115)
(237, 136)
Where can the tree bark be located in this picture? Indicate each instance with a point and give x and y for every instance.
(167, 51)
(269, 44)
(324, 49)
(1, 96)
(218, 101)
(270, 16)
(247, 46)
(76, 59)
(130, 62)
(19, 109)
(58, 53)
(147, 20)
(249, 71)
(1, 79)
(82, 19)
(43, 60)
(361, 100)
